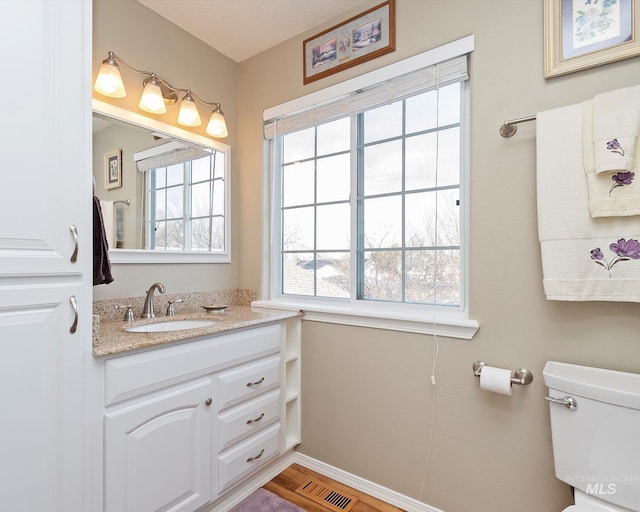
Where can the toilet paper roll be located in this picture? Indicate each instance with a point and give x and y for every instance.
(496, 380)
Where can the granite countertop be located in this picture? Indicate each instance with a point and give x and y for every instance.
(112, 338)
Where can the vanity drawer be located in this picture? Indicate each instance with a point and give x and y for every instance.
(248, 456)
(132, 375)
(246, 381)
(247, 418)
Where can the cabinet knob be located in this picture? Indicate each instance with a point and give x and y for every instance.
(208, 401)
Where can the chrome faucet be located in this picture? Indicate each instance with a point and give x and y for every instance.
(148, 310)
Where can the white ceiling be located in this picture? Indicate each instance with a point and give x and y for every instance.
(241, 29)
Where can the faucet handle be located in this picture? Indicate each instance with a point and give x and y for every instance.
(128, 315)
(171, 309)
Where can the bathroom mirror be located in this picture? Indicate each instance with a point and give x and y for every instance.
(164, 191)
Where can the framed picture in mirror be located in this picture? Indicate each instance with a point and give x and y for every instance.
(113, 169)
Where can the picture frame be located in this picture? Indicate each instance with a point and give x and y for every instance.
(359, 39)
(113, 169)
(581, 34)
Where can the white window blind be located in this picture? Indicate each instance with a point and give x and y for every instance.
(171, 157)
(394, 89)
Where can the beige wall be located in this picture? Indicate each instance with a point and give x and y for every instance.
(148, 42)
(367, 395)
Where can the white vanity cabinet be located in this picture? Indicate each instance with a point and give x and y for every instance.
(185, 423)
(159, 451)
(244, 387)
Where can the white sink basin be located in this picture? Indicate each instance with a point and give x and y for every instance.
(171, 325)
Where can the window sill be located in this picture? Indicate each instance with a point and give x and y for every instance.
(446, 324)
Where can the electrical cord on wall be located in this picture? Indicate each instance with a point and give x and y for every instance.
(435, 345)
(433, 408)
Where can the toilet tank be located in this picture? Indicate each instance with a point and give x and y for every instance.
(596, 446)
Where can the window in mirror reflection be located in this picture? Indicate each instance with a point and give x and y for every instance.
(185, 201)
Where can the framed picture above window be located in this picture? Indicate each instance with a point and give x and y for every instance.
(113, 169)
(359, 39)
(581, 34)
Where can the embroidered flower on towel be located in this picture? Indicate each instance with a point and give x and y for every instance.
(615, 147)
(625, 250)
(621, 179)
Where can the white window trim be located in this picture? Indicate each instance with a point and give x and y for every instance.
(378, 315)
(139, 256)
(416, 319)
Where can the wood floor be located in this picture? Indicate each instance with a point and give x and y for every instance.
(286, 483)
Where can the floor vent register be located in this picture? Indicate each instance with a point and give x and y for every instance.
(326, 496)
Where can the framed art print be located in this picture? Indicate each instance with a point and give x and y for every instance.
(359, 39)
(581, 34)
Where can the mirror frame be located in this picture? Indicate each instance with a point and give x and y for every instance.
(145, 256)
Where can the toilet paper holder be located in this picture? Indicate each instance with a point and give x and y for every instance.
(521, 376)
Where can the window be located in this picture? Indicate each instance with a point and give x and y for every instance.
(404, 159)
(186, 200)
(369, 197)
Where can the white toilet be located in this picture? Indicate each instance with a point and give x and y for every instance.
(595, 429)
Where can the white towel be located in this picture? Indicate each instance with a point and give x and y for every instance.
(616, 121)
(610, 194)
(579, 257)
(109, 221)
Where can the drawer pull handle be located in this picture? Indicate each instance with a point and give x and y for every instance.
(74, 305)
(74, 234)
(208, 401)
(250, 384)
(256, 457)
(249, 422)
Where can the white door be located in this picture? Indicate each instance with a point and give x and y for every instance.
(45, 139)
(158, 453)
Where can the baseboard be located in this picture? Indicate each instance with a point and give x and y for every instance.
(372, 489)
(277, 466)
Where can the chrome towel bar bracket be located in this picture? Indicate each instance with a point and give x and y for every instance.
(521, 376)
(509, 128)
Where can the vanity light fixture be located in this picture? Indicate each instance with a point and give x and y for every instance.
(156, 94)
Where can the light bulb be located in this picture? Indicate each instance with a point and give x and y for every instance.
(151, 100)
(217, 126)
(109, 82)
(188, 115)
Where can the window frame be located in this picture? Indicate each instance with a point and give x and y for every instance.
(187, 198)
(421, 318)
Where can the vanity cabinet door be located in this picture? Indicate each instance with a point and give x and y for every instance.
(158, 452)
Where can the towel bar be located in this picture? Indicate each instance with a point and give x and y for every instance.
(123, 201)
(509, 128)
(521, 376)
